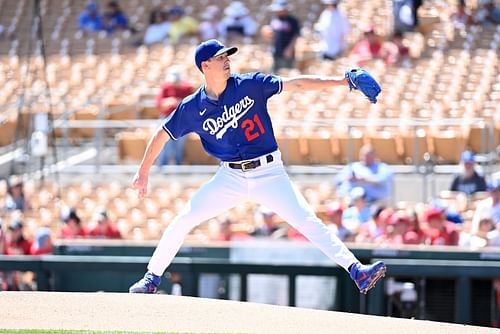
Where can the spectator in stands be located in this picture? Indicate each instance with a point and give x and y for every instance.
(397, 228)
(439, 231)
(115, 18)
(209, 26)
(489, 206)
(374, 231)
(285, 31)
(16, 199)
(461, 17)
(373, 176)
(264, 222)
(90, 19)
(72, 228)
(395, 51)
(3, 242)
(414, 234)
(158, 28)
(468, 181)
(405, 14)
(368, 48)
(481, 237)
(488, 13)
(171, 93)
(334, 222)
(333, 28)
(17, 243)
(102, 226)
(237, 22)
(42, 243)
(358, 213)
(181, 25)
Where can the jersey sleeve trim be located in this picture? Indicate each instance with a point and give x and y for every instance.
(280, 86)
(168, 131)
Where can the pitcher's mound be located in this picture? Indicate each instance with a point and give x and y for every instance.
(163, 313)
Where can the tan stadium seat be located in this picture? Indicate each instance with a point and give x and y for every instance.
(194, 154)
(480, 140)
(415, 146)
(349, 145)
(7, 131)
(448, 145)
(388, 147)
(131, 145)
(320, 150)
(293, 149)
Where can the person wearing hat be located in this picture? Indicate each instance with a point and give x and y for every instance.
(72, 227)
(468, 181)
(489, 206)
(16, 199)
(171, 93)
(285, 29)
(90, 19)
(102, 227)
(17, 243)
(358, 213)
(237, 22)
(42, 243)
(333, 28)
(229, 113)
(439, 231)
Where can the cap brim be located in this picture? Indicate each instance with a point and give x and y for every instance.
(229, 51)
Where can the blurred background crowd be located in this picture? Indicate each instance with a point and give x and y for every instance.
(131, 60)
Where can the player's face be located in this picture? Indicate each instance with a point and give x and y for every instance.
(220, 65)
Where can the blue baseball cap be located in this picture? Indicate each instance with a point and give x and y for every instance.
(211, 48)
(467, 156)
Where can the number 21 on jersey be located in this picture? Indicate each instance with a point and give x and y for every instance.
(251, 132)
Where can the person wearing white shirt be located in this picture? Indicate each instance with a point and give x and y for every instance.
(489, 206)
(158, 28)
(237, 21)
(333, 28)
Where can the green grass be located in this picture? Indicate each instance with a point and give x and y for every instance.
(60, 331)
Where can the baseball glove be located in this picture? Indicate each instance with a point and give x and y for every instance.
(359, 78)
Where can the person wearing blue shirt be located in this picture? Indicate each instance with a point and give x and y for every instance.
(373, 176)
(115, 18)
(91, 19)
(229, 114)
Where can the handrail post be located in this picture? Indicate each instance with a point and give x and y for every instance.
(463, 300)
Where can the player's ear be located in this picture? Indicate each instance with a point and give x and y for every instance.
(204, 65)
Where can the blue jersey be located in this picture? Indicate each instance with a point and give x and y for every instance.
(237, 126)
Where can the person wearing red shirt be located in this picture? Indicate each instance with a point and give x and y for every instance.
(72, 228)
(103, 227)
(439, 230)
(171, 94)
(42, 243)
(368, 48)
(16, 243)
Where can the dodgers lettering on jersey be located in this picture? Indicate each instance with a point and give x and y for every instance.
(237, 126)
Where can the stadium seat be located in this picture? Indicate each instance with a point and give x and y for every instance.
(415, 146)
(194, 154)
(388, 146)
(293, 149)
(321, 150)
(131, 145)
(448, 145)
(349, 145)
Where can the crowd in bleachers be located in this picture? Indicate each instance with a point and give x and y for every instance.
(439, 64)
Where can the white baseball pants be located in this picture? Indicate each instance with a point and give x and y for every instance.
(268, 185)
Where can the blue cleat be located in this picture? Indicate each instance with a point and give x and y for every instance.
(148, 284)
(366, 276)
